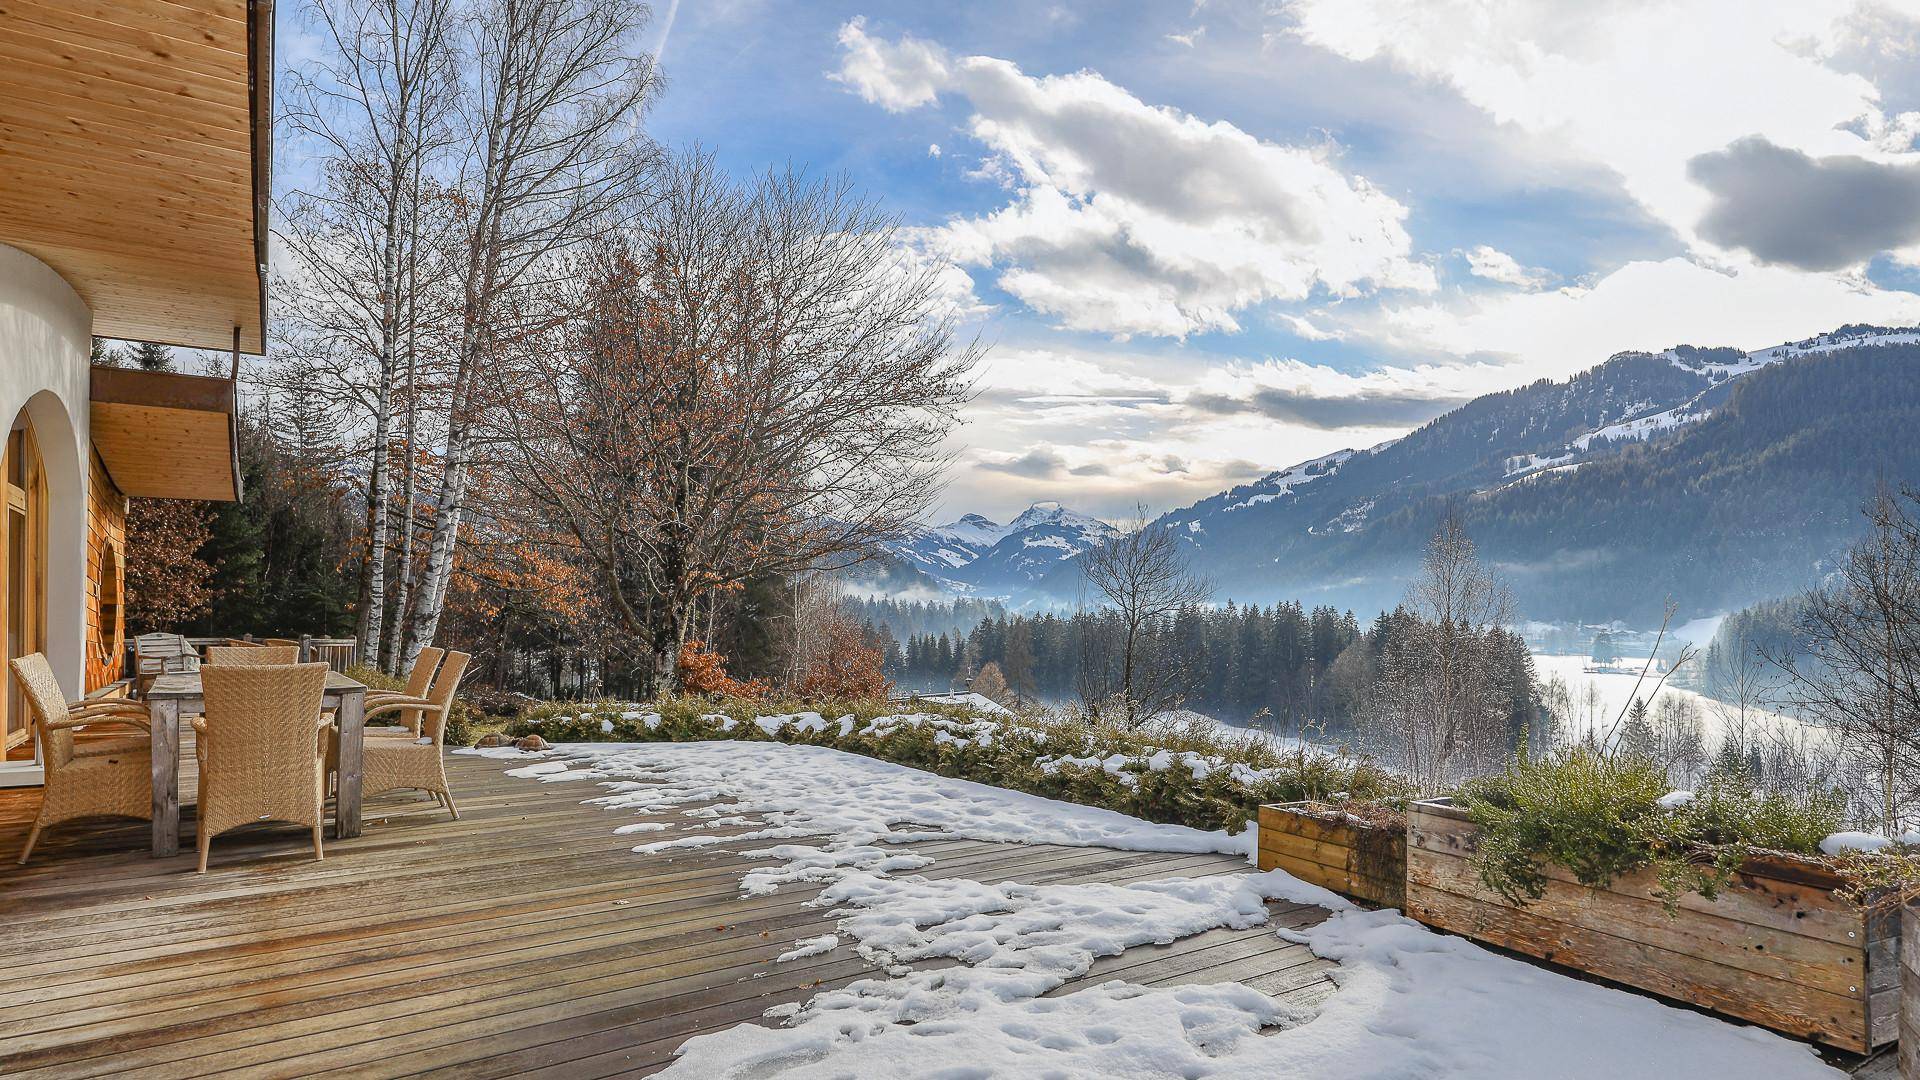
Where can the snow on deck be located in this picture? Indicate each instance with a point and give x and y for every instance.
(1410, 1003)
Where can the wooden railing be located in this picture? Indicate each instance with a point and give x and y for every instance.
(337, 653)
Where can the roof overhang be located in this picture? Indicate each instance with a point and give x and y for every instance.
(135, 141)
(164, 435)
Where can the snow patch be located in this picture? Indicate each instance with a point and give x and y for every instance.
(825, 943)
(1842, 842)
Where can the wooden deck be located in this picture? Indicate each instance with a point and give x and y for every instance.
(524, 939)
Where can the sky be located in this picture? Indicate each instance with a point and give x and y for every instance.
(1206, 240)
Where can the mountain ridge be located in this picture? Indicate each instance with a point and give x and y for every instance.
(1726, 476)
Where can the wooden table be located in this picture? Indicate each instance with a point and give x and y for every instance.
(173, 696)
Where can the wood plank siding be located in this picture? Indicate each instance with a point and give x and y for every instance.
(106, 577)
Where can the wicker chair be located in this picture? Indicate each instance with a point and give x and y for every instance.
(419, 680)
(252, 655)
(390, 763)
(95, 778)
(262, 748)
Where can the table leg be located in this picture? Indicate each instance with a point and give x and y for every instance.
(351, 718)
(164, 715)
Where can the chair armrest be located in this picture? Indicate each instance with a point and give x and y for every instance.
(390, 695)
(103, 708)
(400, 705)
(200, 725)
(399, 701)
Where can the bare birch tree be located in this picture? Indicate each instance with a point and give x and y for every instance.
(551, 105)
(377, 105)
(1139, 577)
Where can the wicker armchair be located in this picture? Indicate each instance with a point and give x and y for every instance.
(262, 747)
(95, 778)
(390, 763)
(419, 680)
(252, 655)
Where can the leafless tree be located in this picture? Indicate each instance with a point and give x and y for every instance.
(1557, 702)
(1862, 677)
(754, 385)
(1741, 679)
(1441, 707)
(551, 102)
(1140, 578)
(1680, 738)
(1681, 659)
(376, 104)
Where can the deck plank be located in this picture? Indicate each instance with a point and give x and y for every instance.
(525, 938)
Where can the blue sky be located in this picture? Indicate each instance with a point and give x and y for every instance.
(1208, 240)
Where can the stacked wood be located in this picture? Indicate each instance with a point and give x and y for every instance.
(1775, 947)
(1328, 847)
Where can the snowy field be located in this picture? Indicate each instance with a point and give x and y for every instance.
(1615, 689)
(1411, 1003)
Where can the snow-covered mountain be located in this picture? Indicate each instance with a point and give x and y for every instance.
(1712, 474)
(941, 549)
(1716, 476)
(976, 556)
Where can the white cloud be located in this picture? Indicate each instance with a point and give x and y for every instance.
(1305, 329)
(1644, 305)
(933, 149)
(1133, 219)
(896, 76)
(1498, 266)
(1101, 430)
(1639, 87)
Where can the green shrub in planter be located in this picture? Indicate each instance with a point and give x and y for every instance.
(1600, 817)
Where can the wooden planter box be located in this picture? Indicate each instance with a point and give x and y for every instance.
(1336, 851)
(1775, 948)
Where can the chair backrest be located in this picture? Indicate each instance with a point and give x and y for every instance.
(48, 703)
(420, 679)
(444, 684)
(252, 655)
(341, 654)
(295, 642)
(162, 654)
(262, 736)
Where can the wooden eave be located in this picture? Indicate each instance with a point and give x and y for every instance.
(163, 435)
(135, 144)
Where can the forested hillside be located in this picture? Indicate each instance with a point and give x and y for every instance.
(1282, 666)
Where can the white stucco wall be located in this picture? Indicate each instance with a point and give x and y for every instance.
(46, 336)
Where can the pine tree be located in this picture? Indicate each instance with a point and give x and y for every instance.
(1637, 739)
(148, 356)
